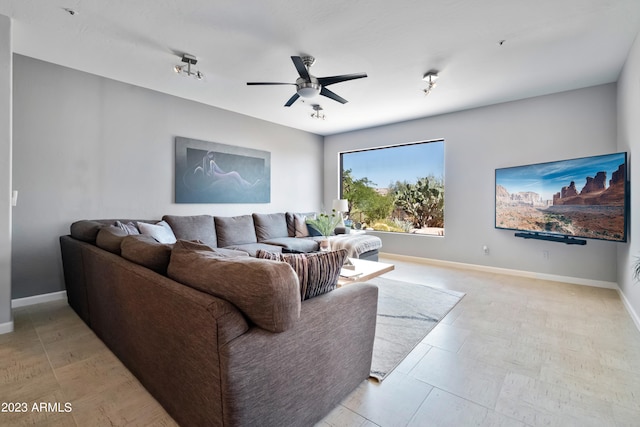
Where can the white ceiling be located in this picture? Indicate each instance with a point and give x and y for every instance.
(550, 46)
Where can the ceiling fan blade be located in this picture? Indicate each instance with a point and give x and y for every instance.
(326, 92)
(326, 81)
(302, 69)
(267, 83)
(292, 100)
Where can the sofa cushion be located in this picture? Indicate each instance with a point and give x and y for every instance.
(270, 226)
(291, 229)
(318, 273)
(146, 251)
(110, 237)
(86, 230)
(221, 252)
(294, 244)
(235, 230)
(129, 227)
(300, 224)
(291, 222)
(252, 248)
(267, 292)
(311, 230)
(195, 227)
(161, 231)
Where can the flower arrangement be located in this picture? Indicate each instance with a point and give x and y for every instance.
(325, 224)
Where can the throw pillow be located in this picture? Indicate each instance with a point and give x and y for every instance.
(318, 273)
(300, 222)
(160, 231)
(311, 230)
(129, 228)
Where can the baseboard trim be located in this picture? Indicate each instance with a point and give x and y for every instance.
(630, 309)
(6, 328)
(507, 271)
(38, 299)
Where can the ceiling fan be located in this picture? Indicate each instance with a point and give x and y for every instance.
(308, 86)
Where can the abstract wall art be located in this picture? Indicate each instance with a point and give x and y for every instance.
(210, 172)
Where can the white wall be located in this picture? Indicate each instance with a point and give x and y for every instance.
(6, 324)
(554, 127)
(629, 140)
(89, 147)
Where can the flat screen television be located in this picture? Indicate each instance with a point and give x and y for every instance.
(585, 197)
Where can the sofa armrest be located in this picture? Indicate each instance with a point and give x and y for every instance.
(309, 368)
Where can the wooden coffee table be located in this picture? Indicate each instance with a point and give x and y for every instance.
(365, 270)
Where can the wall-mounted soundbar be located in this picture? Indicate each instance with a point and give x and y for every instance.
(552, 238)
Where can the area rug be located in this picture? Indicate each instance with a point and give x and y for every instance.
(407, 312)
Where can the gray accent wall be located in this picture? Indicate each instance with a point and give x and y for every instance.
(89, 147)
(6, 324)
(554, 127)
(628, 140)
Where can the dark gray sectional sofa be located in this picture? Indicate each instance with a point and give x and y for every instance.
(270, 359)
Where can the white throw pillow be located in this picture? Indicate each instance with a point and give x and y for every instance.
(161, 231)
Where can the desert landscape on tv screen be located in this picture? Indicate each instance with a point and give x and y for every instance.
(580, 197)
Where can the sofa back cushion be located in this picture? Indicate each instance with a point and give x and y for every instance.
(318, 272)
(86, 230)
(146, 251)
(267, 292)
(195, 227)
(270, 226)
(235, 230)
(110, 237)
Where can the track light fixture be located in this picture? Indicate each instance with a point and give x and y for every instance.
(317, 112)
(186, 70)
(430, 77)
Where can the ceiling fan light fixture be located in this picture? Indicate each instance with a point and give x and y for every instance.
(308, 86)
(308, 89)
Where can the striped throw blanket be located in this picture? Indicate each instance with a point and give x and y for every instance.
(355, 244)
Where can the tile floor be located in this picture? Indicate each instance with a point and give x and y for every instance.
(513, 352)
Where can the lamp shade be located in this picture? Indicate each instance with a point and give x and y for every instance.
(340, 205)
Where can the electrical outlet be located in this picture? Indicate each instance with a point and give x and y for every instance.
(485, 249)
(545, 254)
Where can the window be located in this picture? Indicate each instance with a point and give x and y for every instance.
(398, 188)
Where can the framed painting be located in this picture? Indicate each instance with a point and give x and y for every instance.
(209, 172)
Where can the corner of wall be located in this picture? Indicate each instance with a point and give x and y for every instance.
(6, 101)
(628, 139)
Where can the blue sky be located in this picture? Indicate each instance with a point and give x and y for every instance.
(401, 163)
(547, 179)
